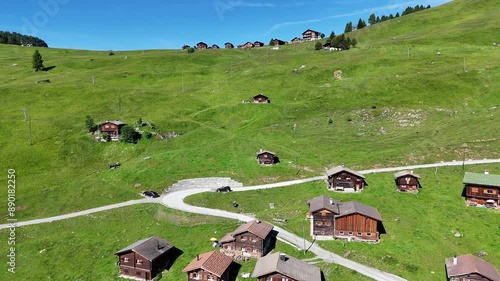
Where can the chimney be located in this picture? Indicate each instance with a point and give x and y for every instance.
(282, 257)
(261, 149)
(486, 172)
(331, 201)
(257, 221)
(455, 260)
(411, 172)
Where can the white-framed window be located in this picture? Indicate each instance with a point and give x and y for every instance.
(360, 234)
(139, 262)
(350, 233)
(196, 276)
(341, 232)
(243, 238)
(210, 277)
(369, 234)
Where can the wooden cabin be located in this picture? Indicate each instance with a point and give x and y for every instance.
(145, 259)
(310, 35)
(113, 128)
(279, 266)
(482, 189)
(278, 42)
(407, 181)
(214, 266)
(296, 40)
(352, 221)
(357, 222)
(265, 157)
(251, 239)
(340, 178)
(248, 45)
(215, 46)
(228, 45)
(258, 44)
(469, 267)
(260, 98)
(202, 45)
(322, 212)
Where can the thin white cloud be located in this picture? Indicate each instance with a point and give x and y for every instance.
(280, 25)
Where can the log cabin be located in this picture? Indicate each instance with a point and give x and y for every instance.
(310, 35)
(215, 46)
(113, 128)
(265, 157)
(228, 45)
(340, 178)
(296, 40)
(352, 221)
(278, 42)
(258, 44)
(279, 266)
(469, 267)
(482, 189)
(407, 181)
(214, 266)
(145, 259)
(201, 45)
(251, 239)
(260, 98)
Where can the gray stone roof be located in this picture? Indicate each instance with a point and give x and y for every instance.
(150, 248)
(405, 173)
(468, 264)
(338, 169)
(354, 207)
(287, 266)
(324, 202)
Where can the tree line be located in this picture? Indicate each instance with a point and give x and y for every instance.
(14, 38)
(373, 19)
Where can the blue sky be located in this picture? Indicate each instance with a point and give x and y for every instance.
(169, 24)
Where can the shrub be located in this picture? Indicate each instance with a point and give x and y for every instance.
(318, 46)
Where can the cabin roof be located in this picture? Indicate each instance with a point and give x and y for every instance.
(338, 169)
(258, 228)
(265, 151)
(214, 262)
(286, 265)
(310, 30)
(482, 179)
(405, 173)
(324, 202)
(115, 122)
(150, 248)
(354, 207)
(467, 264)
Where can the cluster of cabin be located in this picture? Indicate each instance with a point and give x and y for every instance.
(308, 35)
(147, 258)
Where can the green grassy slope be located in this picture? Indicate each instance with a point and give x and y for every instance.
(403, 111)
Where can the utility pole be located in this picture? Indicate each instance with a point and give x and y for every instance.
(304, 234)
(29, 122)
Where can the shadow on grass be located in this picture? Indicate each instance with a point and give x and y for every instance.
(48, 68)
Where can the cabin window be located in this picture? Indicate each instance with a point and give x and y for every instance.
(474, 190)
(360, 234)
(210, 277)
(323, 214)
(254, 239)
(369, 234)
(341, 232)
(139, 262)
(243, 238)
(350, 233)
(255, 251)
(138, 273)
(348, 178)
(106, 126)
(319, 223)
(196, 276)
(328, 223)
(125, 259)
(489, 191)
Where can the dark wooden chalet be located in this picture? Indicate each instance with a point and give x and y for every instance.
(322, 212)
(482, 189)
(331, 218)
(228, 45)
(260, 98)
(344, 179)
(407, 181)
(215, 46)
(113, 128)
(265, 157)
(201, 45)
(278, 42)
(279, 266)
(214, 266)
(251, 239)
(358, 222)
(296, 40)
(310, 35)
(258, 44)
(469, 267)
(248, 45)
(145, 259)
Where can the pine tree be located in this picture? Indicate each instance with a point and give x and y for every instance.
(361, 24)
(397, 15)
(372, 19)
(348, 27)
(332, 35)
(37, 61)
(354, 42)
